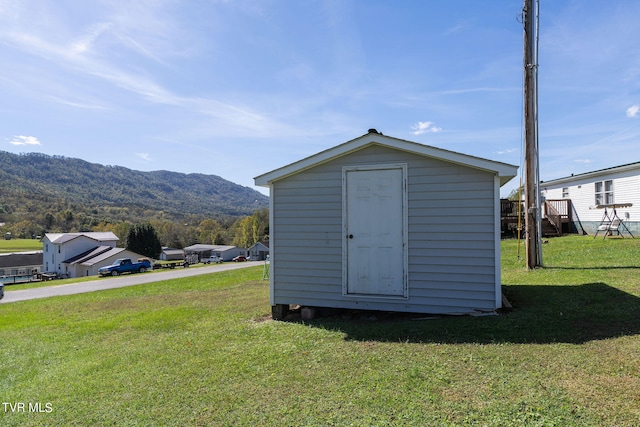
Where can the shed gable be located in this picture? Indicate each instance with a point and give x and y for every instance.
(504, 171)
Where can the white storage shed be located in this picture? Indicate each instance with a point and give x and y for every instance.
(380, 223)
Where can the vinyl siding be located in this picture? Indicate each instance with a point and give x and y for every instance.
(451, 232)
(626, 189)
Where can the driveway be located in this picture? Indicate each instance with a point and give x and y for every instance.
(118, 282)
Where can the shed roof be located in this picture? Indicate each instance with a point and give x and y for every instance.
(505, 171)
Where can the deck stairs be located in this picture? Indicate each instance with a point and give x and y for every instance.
(549, 229)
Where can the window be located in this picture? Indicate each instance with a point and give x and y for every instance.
(565, 192)
(604, 192)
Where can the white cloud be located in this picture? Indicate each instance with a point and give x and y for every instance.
(585, 161)
(144, 156)
(24, 140)
(84, 43)
(424, 127)
(507, 151)
(633, 110)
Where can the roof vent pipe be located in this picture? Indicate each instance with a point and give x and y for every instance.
(373, 131)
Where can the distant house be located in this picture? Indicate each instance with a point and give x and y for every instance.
(80, 254)
(619, 185)
(381, 223)
(170, 254)
(258, 251)
(21, 263)
(227, 253)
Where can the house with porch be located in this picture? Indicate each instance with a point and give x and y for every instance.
(587, 199)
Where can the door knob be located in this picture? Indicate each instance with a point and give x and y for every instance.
(351, 236)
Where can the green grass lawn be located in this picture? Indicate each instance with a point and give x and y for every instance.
(202, 351)
(20, 245)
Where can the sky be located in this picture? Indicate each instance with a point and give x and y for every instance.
(237, 88)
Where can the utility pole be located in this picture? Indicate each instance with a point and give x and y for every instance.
(533, 220)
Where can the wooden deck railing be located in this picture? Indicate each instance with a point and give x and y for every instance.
(554, 217)
(509, 221)
(509, 208)
(561, 207)
(560, 213)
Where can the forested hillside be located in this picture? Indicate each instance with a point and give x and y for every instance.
(52, 193)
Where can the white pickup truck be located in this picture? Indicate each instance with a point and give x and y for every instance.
(214, 259)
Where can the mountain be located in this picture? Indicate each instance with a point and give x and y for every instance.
(33, 185)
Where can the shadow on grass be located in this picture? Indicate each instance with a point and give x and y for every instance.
(541, 314)
(615, 267)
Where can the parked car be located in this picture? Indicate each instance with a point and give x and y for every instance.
(1, 290)
(239, 258)
(215, 259)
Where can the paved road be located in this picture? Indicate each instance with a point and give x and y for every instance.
(118, 282)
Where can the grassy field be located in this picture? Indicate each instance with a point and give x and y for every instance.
(202, 351)
(20, 245)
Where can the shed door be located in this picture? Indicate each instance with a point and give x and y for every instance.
(375, 231)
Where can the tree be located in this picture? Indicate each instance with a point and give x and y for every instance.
(515, 194)
(49, 220)
(218, 239)
(144, 240)
(242, 232)
(25, 229)
(251, 229)
(168, 234)
(208, 229)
